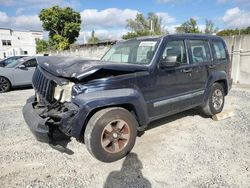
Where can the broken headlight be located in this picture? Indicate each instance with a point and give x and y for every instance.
(63, 93)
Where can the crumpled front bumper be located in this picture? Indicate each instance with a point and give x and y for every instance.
(36, 124)
(39, 126)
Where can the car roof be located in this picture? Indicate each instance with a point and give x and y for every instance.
(193, 35)
(16, 56)
(184, 35)
(144, 38)
(26, 58)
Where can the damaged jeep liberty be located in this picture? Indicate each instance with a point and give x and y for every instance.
(104, 103)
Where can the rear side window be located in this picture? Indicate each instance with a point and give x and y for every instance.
(200, 51)
(220, 51)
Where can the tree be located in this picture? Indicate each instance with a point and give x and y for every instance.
(210, 28)
(156, 24)
(141, 26)
(41, 46)
(228, 32)
(93, 39)
(231, 32)
(246, 31)
(189, 26)
(63, 25)
(59, 42)
(131, 35)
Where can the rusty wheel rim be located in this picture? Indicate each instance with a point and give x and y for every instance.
(115, 136)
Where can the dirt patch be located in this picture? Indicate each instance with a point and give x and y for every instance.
(184, 150)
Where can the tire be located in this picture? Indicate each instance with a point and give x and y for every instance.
(215, 101)
(110, 134)
(4, 84)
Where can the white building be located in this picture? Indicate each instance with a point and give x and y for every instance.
(14, 43)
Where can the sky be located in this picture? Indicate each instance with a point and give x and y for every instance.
(108, 17)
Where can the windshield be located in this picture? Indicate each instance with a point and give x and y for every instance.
(14, 63)
(10, 60)
(136, 52)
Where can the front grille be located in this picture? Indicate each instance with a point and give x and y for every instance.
(43, 86)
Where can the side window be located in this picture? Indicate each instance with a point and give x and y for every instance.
(30, 63)
(176, 48)
(220, 51)
(200, 51)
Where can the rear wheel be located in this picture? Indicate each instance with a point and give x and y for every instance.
(110, 134)
(215, 101)
(4, 85)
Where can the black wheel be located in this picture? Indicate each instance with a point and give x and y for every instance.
(215, 101)
(4, 85)
(110, 134)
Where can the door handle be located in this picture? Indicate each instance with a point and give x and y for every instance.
(212, 66)
(188, 70)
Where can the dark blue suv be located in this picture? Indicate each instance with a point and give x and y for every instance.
(105, 103)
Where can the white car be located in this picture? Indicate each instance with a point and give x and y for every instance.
(17, 73)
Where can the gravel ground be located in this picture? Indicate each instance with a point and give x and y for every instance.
(184, 150)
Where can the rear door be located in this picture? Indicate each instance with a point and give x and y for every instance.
(201, 62)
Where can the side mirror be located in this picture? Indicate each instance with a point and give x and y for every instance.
(22, 67)
(170, 61)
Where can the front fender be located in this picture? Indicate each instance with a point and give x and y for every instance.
(88, 102)
(7, 73)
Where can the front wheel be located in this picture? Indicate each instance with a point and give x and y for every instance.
(4, 85)
(110, 134)
(215, 101)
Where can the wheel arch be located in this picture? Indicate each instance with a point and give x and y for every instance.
(219, 77)
(224, 84)
(130, 100)
(127, 106)
(11, 84)
(7, 79)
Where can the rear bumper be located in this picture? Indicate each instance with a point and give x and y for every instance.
(36, 124)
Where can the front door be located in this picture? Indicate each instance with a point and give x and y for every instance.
(23, 75)
(171, 82)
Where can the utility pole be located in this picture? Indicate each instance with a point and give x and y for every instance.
(151, 26)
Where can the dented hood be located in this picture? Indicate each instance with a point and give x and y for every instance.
(78, 68)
